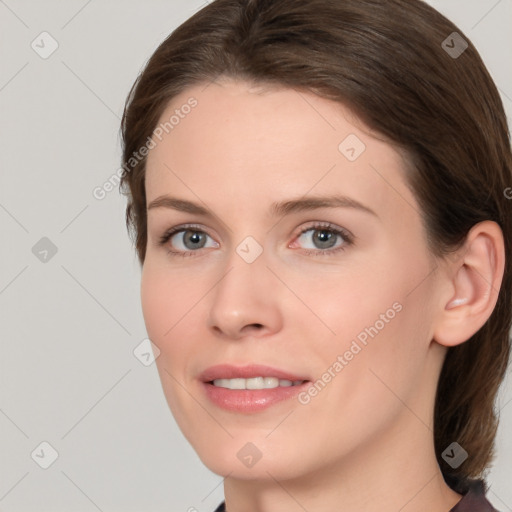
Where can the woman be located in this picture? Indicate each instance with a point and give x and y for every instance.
(318, 196)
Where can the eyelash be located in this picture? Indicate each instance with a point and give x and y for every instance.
(319, 226)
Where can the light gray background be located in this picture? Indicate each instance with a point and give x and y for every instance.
(69, 326)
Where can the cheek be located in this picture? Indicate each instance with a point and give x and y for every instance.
(353, 299)
(156, 308)
(163, 300)
(163, 308)
(172, 302)
(382, 322)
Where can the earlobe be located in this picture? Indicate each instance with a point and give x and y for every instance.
(475, 281)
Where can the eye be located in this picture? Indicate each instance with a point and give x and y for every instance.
(325, 238)
(186, 239)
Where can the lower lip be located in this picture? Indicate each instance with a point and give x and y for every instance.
(250, 400)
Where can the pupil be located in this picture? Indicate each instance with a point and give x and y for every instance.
(324, 237)
(194, 237)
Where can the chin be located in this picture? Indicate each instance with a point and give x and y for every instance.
(246, 460)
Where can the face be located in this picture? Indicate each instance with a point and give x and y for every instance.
(290, 248)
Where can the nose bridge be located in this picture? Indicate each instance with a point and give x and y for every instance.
(245, 278)
(245, 267)
(243, 296)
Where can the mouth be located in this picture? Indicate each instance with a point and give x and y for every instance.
(255, 383)
(250, 388)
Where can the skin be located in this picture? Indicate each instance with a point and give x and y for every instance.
(365, 442)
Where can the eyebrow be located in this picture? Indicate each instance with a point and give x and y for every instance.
(276, 209)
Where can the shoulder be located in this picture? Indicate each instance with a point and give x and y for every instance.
(473, 494)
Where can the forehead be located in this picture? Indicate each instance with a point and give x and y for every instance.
(257, 145)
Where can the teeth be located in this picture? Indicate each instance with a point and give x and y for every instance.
(255, 383)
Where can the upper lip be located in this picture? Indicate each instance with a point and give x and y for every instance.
(228, 371)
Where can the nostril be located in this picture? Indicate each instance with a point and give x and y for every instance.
(253, 327)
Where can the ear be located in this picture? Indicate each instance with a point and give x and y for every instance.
(473, 279)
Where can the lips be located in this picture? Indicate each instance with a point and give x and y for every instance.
(226, 371)
(243, 399)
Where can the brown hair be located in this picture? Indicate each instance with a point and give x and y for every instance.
(387, 61)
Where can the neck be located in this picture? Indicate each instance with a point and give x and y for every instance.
(391, 474)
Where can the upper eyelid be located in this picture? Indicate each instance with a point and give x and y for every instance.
(310, 225)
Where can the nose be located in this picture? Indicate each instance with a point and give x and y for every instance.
(245, 301)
